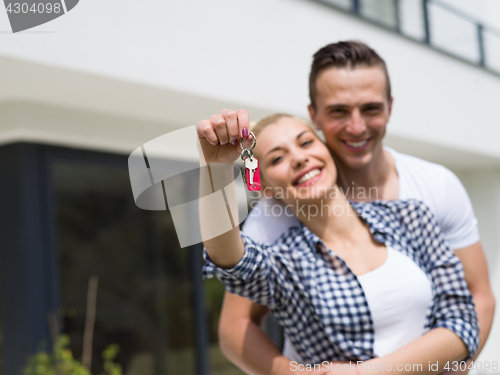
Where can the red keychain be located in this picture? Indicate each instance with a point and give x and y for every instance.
(252, 169)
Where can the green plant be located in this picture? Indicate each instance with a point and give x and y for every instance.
(108, 355)
(61, 361)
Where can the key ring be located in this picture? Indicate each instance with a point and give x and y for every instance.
(246, 153)
(254, 143)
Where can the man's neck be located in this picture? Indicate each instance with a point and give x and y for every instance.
(376, 180)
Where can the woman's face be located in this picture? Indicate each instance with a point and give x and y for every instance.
(294, 162)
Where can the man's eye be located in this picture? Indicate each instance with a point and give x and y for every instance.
(372, 110)
(337, 111)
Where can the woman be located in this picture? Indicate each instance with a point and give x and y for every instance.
(351, 269)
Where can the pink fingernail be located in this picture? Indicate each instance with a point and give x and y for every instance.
(217, 144)
(244, 133)
(234, 142)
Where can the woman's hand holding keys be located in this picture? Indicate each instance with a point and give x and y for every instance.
(220, 135)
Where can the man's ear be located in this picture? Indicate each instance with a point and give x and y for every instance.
(312, 116)
(390, 105)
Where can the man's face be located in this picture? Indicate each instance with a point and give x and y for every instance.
(352, 110)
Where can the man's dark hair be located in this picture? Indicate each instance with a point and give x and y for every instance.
(347, 55)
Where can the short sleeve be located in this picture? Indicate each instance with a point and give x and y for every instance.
(457, 218)
(254, 276)
(453, 306)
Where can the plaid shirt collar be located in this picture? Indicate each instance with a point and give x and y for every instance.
(376, 225)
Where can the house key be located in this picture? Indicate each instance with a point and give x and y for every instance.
(252, 169)
(252, 172)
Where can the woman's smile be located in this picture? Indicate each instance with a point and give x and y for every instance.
(293, 158)
(308, 177)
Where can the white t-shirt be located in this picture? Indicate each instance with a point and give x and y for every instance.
(399, 295)
(431, 183)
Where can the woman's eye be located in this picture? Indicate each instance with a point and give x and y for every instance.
(307, 143)
(275, 160)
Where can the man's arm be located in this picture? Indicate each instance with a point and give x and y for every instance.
(244, 342)
(460, 229)
(476, 276)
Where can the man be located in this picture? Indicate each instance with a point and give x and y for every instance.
(351, 104)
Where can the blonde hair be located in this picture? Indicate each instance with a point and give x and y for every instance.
(257, 126)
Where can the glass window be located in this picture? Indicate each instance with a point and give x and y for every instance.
(382, 11)
(219, 364)
(412, 19)
(345, 4)
(453, 33)
(492, 49)
(144, 294)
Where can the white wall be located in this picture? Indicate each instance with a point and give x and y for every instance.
(258, 53)
(483, 186)
(487, 11)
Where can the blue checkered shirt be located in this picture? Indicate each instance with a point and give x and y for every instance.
(320, 303)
